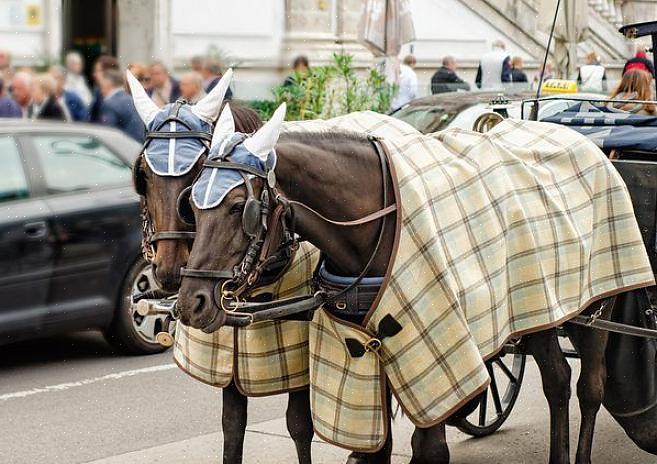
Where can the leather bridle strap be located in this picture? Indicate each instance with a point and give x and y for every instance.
(206, 274)
(356, 222)
(171, 235)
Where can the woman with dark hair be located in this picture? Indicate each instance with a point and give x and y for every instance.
(635, 85)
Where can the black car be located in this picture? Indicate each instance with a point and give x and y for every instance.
(70, 234)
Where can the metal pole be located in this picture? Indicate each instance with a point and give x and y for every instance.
(534, 114)
(654, 55)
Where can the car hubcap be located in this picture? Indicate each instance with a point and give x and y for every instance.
(147, 327)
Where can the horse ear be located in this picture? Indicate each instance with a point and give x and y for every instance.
(225, 126)
(146, 107)
(263, 142)
(208, 107)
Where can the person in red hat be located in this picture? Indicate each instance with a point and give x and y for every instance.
(640, 62)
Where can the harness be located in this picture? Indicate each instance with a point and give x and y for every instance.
(149, 235)
(261, 220)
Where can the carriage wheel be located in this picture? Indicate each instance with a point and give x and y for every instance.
(495, 404)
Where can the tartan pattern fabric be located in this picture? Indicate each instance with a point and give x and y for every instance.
(347, 394)
(272, 357)
(501, 234)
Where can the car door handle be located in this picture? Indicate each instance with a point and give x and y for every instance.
(36, 230)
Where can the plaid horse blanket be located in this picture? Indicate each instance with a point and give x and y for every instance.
(499, 235)
(268, 358)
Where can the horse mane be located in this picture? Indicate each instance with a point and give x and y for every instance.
(246, 119)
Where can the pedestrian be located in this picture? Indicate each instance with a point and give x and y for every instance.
(592, 76)
(407, 83)
(76, 82)
(300, 67)
(118, 109)
(8, 107)
(6, 71)
(635, 85)
(196, 63)
(212, 74)
(191, 87)
(495, 68)
(164, 88)
(44, 105)
(140, 71)
(73, 106)
(445, 78)
(517, 74)
(641, 62)
(21, 91)
(102, 64)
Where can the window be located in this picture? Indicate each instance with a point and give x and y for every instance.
(74, 162)
(13, 184)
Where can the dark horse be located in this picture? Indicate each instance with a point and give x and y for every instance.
(339, 176)
(168, 252)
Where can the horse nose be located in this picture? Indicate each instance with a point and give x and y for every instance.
(202, 300)
(167, 277)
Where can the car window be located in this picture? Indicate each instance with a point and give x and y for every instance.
(13, 183)
(73, 163)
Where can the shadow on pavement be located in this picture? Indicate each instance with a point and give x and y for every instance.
(76, 346)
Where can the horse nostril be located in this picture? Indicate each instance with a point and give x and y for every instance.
(200, 302)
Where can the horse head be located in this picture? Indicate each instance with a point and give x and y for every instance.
(177, 143)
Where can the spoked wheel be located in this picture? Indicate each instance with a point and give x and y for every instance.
(495, 404)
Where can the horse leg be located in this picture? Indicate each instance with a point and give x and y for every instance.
(233, 422)
(430, 445)
(382, 456)
(591, 345)
(300, 424)
(555, 374)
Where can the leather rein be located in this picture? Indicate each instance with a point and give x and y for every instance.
(149, 235)
(276, 214)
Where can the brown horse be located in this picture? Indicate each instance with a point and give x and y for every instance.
(170, 250)
(339, 176)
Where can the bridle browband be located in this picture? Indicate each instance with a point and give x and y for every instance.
(243, 277)
(149, 236)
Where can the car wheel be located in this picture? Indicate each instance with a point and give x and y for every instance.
(130, 332)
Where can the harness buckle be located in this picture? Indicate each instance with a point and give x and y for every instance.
(373, 345)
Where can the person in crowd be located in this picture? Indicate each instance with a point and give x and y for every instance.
(117, 109)
(140, 71)
(44, 104)
(164, 88)
(191, 87)
(300, 66)
(635, 85)
(76, 82)
(196, 64)
(73, 106)
(8, 107)
(592, 76)
(407, 83)
(517, 74)
(547, 74)
(494, 68)
(212, 74)
(102, 64)
(6, 71)
(641, 62)
(446, 79)
(21, 91)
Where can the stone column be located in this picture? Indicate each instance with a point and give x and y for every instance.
(639, 11)
(144, 31)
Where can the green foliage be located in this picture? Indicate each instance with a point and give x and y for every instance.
(333, 90)
(265, 108)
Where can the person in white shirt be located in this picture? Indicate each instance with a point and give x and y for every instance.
(592, 76)
(75, 81)
(494, 68)
(407, 83)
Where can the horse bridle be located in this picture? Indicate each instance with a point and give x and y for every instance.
(261, 229)
(149, 235)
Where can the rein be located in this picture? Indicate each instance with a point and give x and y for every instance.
(149, 235)
(234, 283)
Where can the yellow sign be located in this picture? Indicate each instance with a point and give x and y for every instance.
(33, 16)
(559, 86)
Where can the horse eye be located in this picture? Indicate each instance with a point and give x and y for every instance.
(237, 208)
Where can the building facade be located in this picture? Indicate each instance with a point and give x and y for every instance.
(261, 37)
